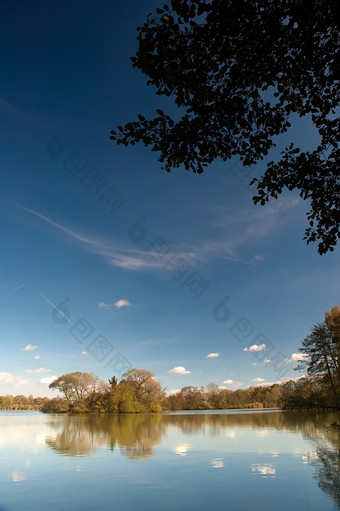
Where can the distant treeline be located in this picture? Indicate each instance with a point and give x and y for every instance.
(21, 402)
(138, 391)
(148, 396)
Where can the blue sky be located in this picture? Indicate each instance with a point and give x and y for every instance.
(107, 261)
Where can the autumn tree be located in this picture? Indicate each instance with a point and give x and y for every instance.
(193, 397)
(146, 388)
(212, 388)
(213, 395)
(320, 360)
(332, 320)
(79, 388)
(238, 71)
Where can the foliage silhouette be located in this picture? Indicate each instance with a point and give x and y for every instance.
(239, 71)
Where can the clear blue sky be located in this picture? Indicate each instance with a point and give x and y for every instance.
(142, 257)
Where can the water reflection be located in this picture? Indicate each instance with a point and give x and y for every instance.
(182, 449)
(264, 470)
(134, 435)
(263, 436)
(327, 464)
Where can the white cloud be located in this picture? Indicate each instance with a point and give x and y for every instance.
(14, 380)
(222, 387)
(84, 352)
(228, 382)
(6, 377)
(255, 347)
(172, 392)
(29, 347)
(257, 379)
(213, 355)
(299, 356)
(122, 303)
(38, 371)
(48, 379)
(118, 304)
(37, 357)
(267, 360)
(179, 370)
(280, 382)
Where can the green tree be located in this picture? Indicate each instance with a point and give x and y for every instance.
(238, 70)
(123, 399)
(113, 381)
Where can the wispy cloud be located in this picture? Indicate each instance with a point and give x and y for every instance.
(114, 253)
(73, 234)
(37, 357)
(257, 380)
(179, 370)
(29, 347)
(237, 230)
(9, 108)
(59, 311)
(213, 355)
(255, 347)
(233, 232)
(103, 305)
(15, 290)
(118, 304)
(38, 371)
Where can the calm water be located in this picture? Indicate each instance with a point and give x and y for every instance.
(232, 460)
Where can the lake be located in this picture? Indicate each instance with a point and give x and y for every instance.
(231, 459)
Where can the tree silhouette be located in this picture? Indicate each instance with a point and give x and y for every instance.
(238, 70)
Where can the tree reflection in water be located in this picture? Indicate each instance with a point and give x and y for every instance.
(136, 435)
